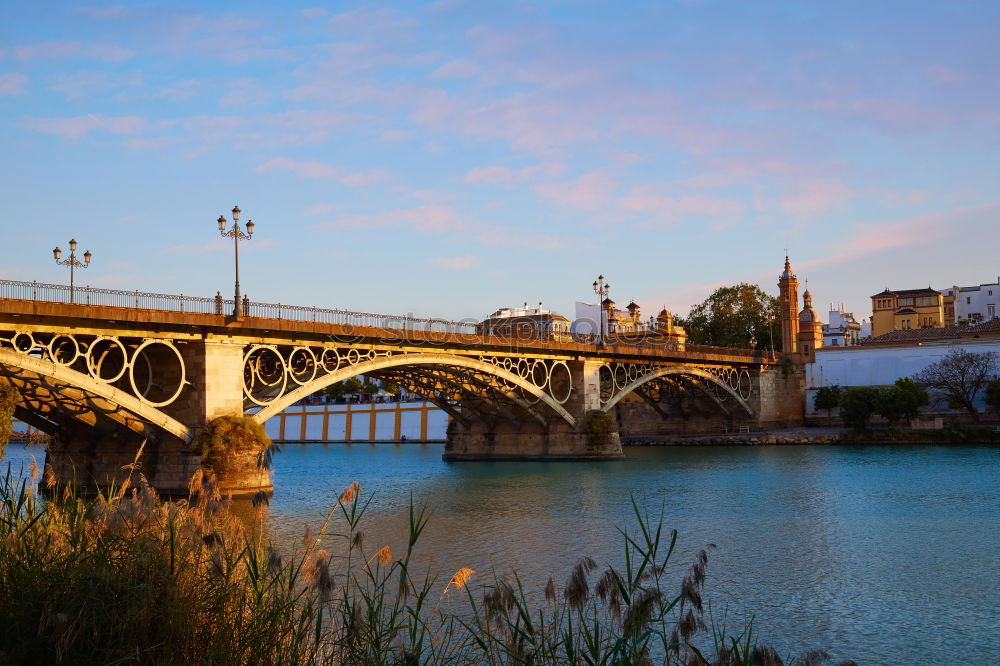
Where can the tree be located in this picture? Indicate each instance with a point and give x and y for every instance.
(335, 390)
(732, 316)
(390, 386)
(993, 393)
(370, 389)
(959, 378)
(352, 385)
(909, 397)
(827, 397)
(857, 405)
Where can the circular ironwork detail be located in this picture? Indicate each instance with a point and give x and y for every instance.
(302, 365)
(94, 366)
(553, 383)
(23, 342)
(58, 349)
(330, 360)
(140, 353)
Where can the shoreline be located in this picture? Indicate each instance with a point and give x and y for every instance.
(813, 436)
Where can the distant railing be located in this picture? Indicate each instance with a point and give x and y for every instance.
(141, 300)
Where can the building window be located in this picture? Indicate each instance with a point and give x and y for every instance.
(904, 301)
(836, 342)
(968, 300)
(991, 311)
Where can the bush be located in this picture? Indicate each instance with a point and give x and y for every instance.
(827, 397)
(9, 398)
(599, 425)
(227, 436)
(993, 393)
(857, 405)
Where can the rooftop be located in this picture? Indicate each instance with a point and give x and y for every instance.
(927, 291)
(915, 335)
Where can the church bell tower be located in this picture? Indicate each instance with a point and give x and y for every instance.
(788, 286)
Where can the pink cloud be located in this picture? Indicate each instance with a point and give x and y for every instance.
(429, 218)
(455, 69)
(493, 175)
(663, 209)
(363, 178)
(543, 170)
(424, 219)
(151, 143)
(517, 237)
(395, 135)
(459, 263)
(941, 74)
(305, 169)
(12, 84)
(82, 84)
(588, 192)
(75, 128)
(319, 209)
(69, 48)
(908, 198)
(887, 111)
(928, 229)
(313, 13)
(243, 93)
(815, 196)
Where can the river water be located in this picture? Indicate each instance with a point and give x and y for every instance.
(886, 555)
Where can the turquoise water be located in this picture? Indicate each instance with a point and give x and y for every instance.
(887, 555)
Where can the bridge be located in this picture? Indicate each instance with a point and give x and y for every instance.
(113, 369)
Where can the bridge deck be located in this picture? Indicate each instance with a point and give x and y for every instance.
(29, 315)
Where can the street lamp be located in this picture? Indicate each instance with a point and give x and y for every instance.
(237, 235)
(72, 262)
(602, 289)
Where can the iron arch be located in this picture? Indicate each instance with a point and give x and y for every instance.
(78, 380)
(384, 362)
(678, 370)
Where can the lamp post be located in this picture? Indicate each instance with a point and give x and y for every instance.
(602, 289)
(237, 235)
(770, 332)
(72, 262)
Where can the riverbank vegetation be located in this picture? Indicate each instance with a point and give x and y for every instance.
(126, 578)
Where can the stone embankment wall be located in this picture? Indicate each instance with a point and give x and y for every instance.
(748, 439)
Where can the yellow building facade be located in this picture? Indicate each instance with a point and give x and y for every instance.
(908, 309)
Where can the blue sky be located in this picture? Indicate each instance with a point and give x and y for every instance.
(449, 158)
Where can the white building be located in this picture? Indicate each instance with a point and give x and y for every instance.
(588, 319)
(883, 364)
(843, 330)
(976, 304)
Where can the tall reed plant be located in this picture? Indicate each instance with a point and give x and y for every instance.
(125, 578)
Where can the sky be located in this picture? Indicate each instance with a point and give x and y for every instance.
(453, 157)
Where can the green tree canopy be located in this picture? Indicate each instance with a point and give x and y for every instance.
(732, 316)
(827, 397)
(352, 385)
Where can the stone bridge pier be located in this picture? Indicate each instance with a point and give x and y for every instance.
(542, 434)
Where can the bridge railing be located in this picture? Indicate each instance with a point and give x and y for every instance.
(140, 300)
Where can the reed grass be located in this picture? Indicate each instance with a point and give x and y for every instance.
(126, 578)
